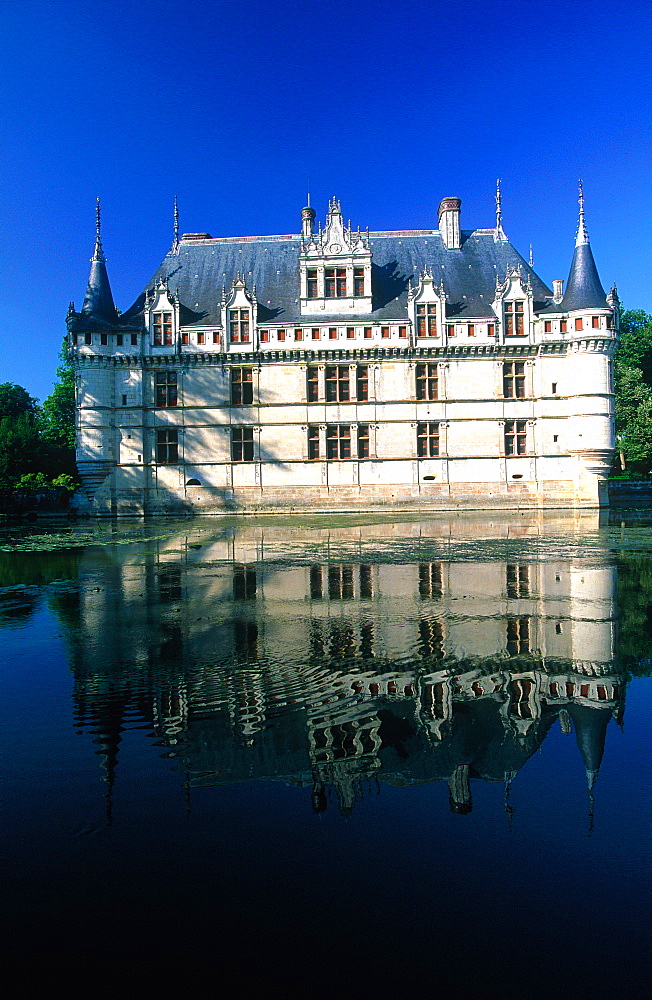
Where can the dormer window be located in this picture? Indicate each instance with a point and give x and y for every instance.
(426, 319)
(335, 282)
(239, 326)
(358, 281)
(514, 325)
(162, 328)
(312, 283)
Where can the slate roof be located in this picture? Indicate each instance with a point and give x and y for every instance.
(584, 290)
(198, 270)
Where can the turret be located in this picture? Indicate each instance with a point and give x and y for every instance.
(307, 220)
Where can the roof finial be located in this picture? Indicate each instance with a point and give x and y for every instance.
(531, 260)
(175, 241)
(98, 253)
(499, 207)
(309, 206)
(582, 235)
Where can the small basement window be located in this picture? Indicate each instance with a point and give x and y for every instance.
(193, 482)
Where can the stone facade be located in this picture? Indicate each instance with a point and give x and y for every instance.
(340, 370)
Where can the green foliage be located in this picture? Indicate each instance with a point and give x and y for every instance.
(635, 614)
(58, 419)
(633, 388)
(21, 449)
(15, 401)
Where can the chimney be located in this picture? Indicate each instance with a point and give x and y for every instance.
(449, 222)
(557, 290)
(307, 222)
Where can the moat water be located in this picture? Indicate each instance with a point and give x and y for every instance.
(329, 756)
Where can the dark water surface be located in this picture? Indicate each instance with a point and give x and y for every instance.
(329, 756)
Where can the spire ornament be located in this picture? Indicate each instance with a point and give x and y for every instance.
(98, 253)
(582, 235)
(499, 235)
(175, 239)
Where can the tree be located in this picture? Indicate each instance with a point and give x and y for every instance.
(20, 447)
(14, 401)
(58, 420)
(633, 390)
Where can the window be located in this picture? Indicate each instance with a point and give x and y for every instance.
(104, 339)
(451, 329)
(578, 323)
(427, 381)
(518, 636)
(595, 322)
(362, 383)
(201, 338)
(312, 283)
(554, 388)
(332, 333)
(514, 380)
(316, 334)
(340, 582)
(244, 583)
(547, 326)
(242, 386)
(316, 583)
(337, 383)
(610, 323)
(166, 388)
(491, 330)
(514, 326)
(185, 337)
(239, 326)
(427, 319)
(427, 440)
(124, 401)
(88, 338)
(280, 335)
(162, 326)
(363, 440)
(384, 332)
(367, 333)
(431, 643)
(518, 581)
(167, 447)
(338, 441)
(242, 444)
(264, 336)
(563, 326)
(313, 383)
(216, 337)
(298, 334)
(515, 437)
(134, 340)
(313, 443)
(366, 583)
(350, 333)
(358, 281)
(471, 330)
(118, 340)
(402, 332)
(335, 282)
(431, 580)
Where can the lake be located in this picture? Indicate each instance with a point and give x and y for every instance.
(329, 755)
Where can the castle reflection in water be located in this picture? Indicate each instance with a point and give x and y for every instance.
(331, 656)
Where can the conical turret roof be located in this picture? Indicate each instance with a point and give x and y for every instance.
(98, 300)
(584, 289)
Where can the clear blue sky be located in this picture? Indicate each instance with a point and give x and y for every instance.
(388, 105)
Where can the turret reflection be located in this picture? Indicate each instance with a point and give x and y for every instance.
(339, 660)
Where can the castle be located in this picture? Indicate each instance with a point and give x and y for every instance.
(343, 370)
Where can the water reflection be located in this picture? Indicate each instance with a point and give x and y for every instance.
(341, 658)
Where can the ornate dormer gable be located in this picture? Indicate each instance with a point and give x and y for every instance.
(239, 310)
(426, 306)
(514, 303)
(335, 266)
(162, 315)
